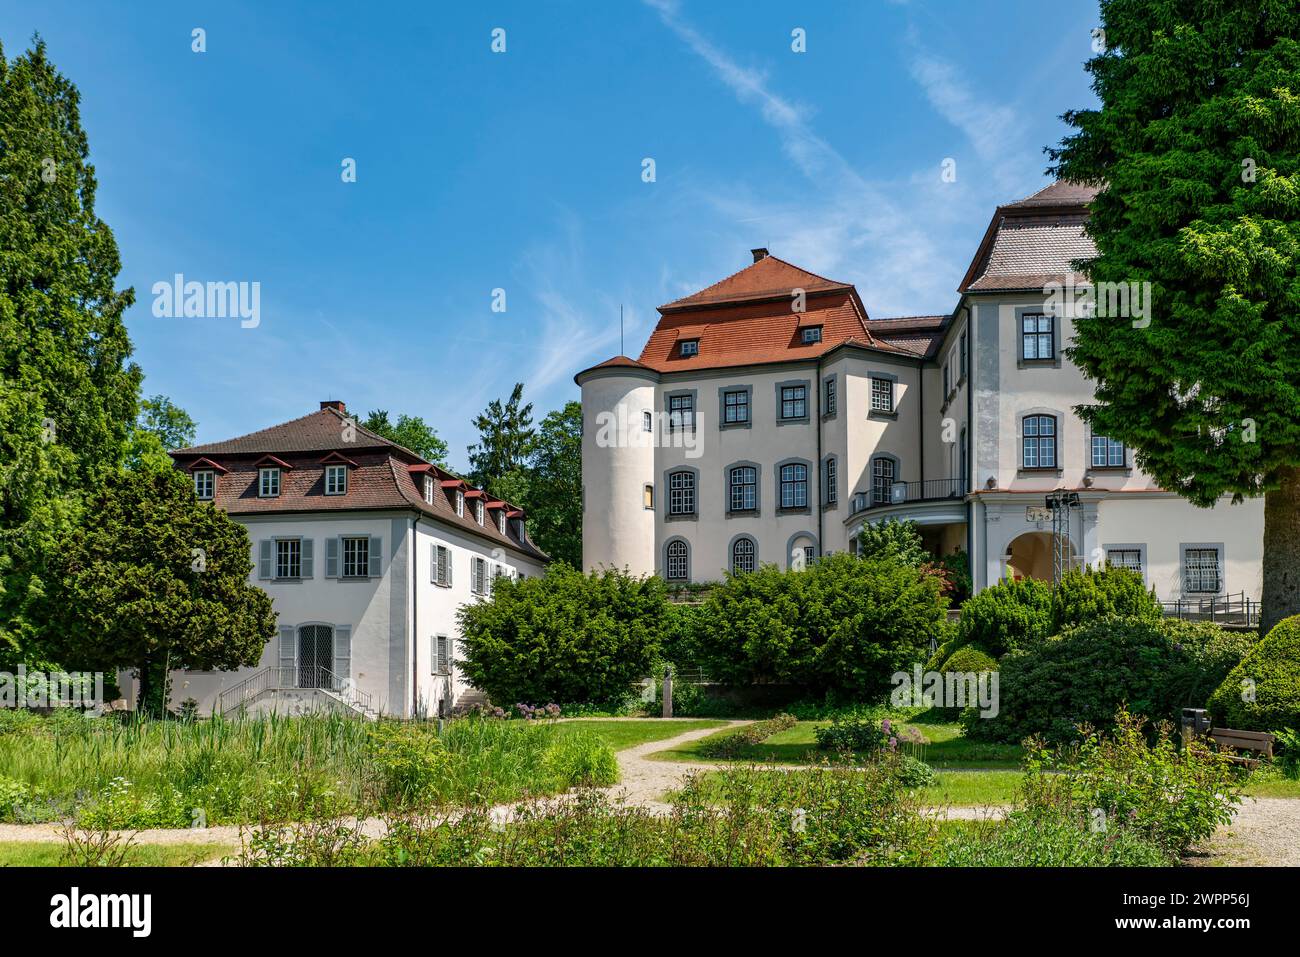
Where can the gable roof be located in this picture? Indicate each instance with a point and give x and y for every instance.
(768, 278)
(1034, 241)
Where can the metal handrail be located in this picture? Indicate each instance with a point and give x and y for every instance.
(1236, 608)
(926, 490)
(292, 678)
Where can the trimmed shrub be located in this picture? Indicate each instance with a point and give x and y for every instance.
(1006, 616)
(851, 734)
(969, 658)
(893, 540)
(1273, 666)
(1088, 594)
(735, 745)
(843, 625)
(1156, 667)
(563, 637)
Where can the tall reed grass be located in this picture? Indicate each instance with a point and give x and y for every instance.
(144, 773)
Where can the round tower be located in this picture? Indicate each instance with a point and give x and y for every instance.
(618, 462)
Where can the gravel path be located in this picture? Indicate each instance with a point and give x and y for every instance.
(645, 782)
(1265, 833)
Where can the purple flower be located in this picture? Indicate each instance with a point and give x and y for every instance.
(893, 743)
(885, 726)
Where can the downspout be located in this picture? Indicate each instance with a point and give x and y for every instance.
(821, 491)
(415, 621)
(968, 452)
(920, 419)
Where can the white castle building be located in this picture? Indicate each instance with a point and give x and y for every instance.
(769, 417)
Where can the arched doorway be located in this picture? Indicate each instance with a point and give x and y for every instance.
(1031, 555)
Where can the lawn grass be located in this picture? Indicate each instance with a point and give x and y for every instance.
(1269, 783)
(50, 854)
(621, 735)
(948, 747)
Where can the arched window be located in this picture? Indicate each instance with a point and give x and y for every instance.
(681, 493)
(884, 473)
(742, 556)
(742, 483)
(1038, 449)
(794, 486)
(677, 567)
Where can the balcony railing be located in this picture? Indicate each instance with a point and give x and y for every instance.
(907, 493)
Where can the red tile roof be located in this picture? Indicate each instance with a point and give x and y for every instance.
(769, 278)
(381, 479)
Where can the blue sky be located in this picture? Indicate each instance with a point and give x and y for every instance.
(522, 171)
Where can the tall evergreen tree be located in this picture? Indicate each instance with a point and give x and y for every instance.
(67, 390)
(505, 439)
(1197, 147)
(553, 495)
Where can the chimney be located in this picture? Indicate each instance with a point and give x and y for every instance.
(759, 253)
(335, 404)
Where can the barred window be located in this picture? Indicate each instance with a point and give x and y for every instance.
(742, 556)
(681, 493)
(744, 489)
(677, 565)
(1130, 558)
(1039, 449)
(1201, 571)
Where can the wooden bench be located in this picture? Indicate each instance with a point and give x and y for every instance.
(1256, 742)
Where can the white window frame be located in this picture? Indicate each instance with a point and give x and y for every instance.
(681, 492)
(205, 479)
(430, 489)
(1108, 447)
(746, 555)
(811, 335)
(344, 540)
(688, 348)
(501, 522)
(677, 560)
(478, 510)
(332, 484)
(460, 503)
(268, 476)
(882, 394)
(293, 547)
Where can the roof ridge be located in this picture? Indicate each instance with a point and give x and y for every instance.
(195, 449)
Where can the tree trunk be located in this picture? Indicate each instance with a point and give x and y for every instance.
(145, 691)
(1281, 597)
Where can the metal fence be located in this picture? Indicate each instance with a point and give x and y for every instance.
(1236, 609)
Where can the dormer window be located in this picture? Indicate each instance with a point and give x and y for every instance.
(811, 335)
(501, 522)
(689, 347)
(478, 511)
(268, 482)
(460, 503)
(430, 486)
(205, 483)
(336, 479)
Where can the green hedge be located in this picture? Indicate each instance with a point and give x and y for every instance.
(1273, 666)
(1006, 616)
(1154, 667)
(844, 625)
(1089, 594)
(563, 637)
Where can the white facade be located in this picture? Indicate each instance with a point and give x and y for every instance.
(962, 423)
(385, 627)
